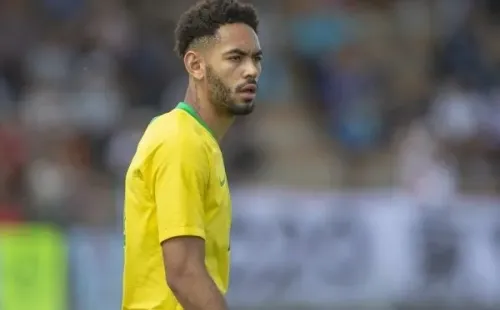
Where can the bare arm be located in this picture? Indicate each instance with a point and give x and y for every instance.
(187, 276)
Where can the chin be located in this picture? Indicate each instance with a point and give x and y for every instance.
(243, 108)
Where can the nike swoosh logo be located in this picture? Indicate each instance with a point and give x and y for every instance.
(222, 182)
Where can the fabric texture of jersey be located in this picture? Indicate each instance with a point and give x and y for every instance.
(175, 186)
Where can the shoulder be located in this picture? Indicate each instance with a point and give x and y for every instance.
(170, 145)
(169, 136)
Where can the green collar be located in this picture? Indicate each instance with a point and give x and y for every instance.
(191, 111)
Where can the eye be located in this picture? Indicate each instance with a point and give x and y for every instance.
(258, 58)
(235, 58)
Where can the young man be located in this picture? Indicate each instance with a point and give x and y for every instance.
(177, 203)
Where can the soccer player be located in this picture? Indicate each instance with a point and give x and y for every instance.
(177, 202)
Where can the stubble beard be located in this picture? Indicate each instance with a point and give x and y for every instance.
(221, 98)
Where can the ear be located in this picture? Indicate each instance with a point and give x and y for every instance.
(194, 64)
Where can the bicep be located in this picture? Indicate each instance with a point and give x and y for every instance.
(179, 189)
(183, 256)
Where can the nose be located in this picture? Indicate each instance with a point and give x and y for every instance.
(251, 71)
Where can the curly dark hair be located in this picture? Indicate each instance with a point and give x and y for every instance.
(204, 19)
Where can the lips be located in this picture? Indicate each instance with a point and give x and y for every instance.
(250, 88)
(247, 96)
(248, 92)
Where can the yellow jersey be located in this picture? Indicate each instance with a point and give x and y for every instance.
(175, 186)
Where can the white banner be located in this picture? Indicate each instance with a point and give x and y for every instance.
(291, 248)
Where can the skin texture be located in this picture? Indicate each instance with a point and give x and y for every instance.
(187, 276)
(233, 63)
(219, 69)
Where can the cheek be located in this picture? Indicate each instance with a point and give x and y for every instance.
(224, 85)
(229, 81)
(228, 70)
(229, 76)
(259, 68)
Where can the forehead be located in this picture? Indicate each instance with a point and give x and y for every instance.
(237, 36)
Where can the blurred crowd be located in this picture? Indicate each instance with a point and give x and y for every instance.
(414, 82)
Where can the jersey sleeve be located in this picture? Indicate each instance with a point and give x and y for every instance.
(179, 183)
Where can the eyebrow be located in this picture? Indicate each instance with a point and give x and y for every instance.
(242, 52)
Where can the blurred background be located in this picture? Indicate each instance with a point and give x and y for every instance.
(368, 177)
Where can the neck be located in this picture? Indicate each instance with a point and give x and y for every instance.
(216, 121)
